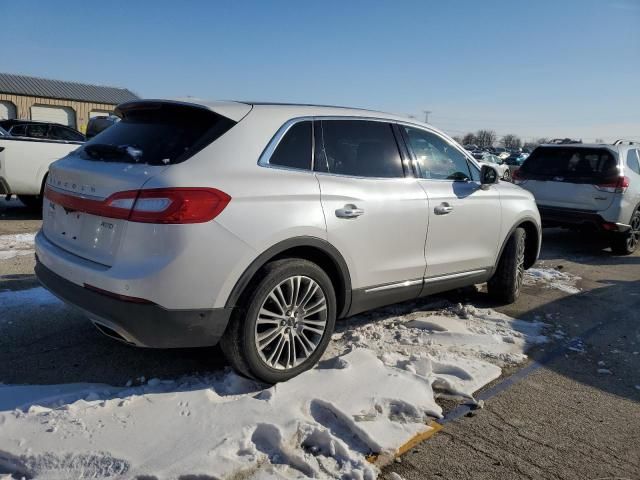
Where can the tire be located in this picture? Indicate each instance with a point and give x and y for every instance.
(626, 243)
(32, 202)
(268, 361)
(507, 175)
(506, 282)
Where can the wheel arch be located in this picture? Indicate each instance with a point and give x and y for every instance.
(313, 249)
(533, 241)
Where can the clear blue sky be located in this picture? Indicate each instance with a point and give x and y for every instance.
(535, 68)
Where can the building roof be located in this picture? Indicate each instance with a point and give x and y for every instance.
(45, 88)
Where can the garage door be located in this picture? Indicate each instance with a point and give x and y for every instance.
(99, 113)
(7, 110)
(49, 113)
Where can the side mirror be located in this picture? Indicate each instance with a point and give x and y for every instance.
(488, 176)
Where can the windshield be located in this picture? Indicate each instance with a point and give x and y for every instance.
(571, 164)
(157, 134)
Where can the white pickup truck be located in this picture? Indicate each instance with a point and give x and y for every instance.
(24, 163)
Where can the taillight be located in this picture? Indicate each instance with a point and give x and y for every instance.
(517, 177)
(158, 205)
(619, 186)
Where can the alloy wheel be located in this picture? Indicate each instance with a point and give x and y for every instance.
(634, 234)
(291, 322)
(520, 263)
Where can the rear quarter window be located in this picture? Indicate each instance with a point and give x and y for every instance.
(294, 149)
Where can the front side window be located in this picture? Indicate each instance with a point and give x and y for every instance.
(19, 130)
(63, 133)
(360, 148)
(437, 158)
(294, 149)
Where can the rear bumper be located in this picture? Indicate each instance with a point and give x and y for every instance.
(568, 217)
(143, 325)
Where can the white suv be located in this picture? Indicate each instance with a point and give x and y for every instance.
(588, 186)
(258, 225)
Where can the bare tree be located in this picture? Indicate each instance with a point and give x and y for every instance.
(542, 141)
(469, 139)
(511, 141)
(599, 140)
(485, 138)
(458, 139)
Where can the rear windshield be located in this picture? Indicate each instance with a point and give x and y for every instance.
(579, 165)
(157, 134)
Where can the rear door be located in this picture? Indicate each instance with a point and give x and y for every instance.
(376, 216)
(149, 139)
(571, 177)
(464, 219)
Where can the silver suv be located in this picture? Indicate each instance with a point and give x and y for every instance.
(259, 225)
(592, 186)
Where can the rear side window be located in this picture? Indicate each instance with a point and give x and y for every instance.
(437, 158)
(62, 133)
(157, 134)
(359, 148)
(633, 160)
(294, 149)
(37, 131)
(580, 165)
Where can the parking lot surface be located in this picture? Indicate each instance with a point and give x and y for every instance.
(573, 411)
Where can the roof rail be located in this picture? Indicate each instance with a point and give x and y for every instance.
(623, 141)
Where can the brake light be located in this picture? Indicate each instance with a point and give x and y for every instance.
(158, 205)
(619, 186)
(517, 177)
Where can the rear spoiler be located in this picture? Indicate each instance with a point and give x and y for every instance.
(235, 111)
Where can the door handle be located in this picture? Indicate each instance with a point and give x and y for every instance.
(443, 209)
(349, 211)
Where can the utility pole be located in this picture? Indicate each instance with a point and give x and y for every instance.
(426, 115)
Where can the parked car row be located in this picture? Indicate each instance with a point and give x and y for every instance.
(494, 161)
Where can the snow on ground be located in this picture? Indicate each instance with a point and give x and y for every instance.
(16, 245)
(375, 388)
(552, 278)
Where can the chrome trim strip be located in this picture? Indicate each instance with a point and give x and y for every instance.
(454, 275)
(406, 283)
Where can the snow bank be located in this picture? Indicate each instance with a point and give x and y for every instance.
(552, 278)
(375, 388)
(16, 245)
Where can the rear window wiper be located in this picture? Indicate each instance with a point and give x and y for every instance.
(103, 151)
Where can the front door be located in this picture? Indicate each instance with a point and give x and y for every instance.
(464, 219)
